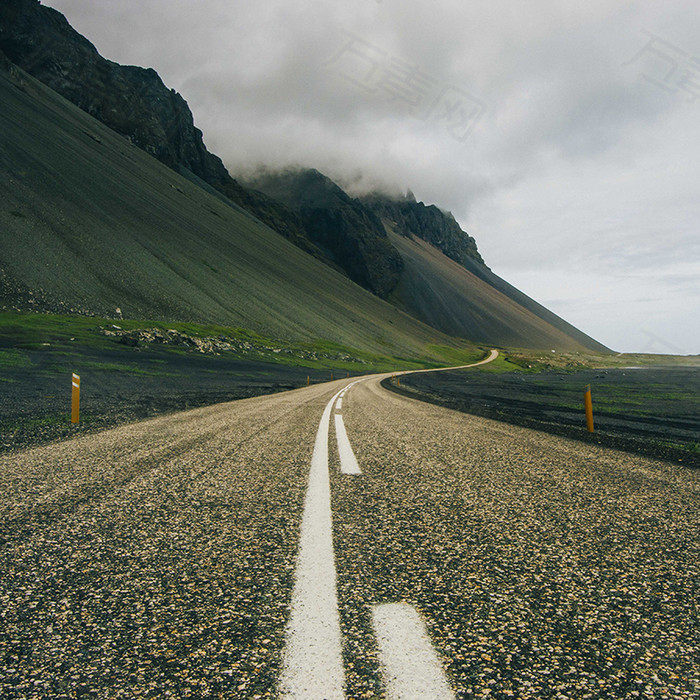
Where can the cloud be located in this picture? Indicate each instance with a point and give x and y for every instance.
(577, 142)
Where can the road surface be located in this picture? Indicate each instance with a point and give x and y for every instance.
(461, 557)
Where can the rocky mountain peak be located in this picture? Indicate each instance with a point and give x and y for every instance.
(409, 217)
(132, 101)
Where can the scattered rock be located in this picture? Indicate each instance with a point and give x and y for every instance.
(212, 345)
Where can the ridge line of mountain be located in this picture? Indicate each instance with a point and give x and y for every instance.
(348, 234)
(134, 102)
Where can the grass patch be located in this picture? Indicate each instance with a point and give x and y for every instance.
(82, 364)
(41, 422)
(15, 359)
(38, 331)
(126, 368)
(533, 361)
(456, 356)
(691, 447)
(74, 335)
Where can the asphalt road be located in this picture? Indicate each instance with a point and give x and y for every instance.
(471, 558)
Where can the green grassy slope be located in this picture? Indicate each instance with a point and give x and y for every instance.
(93, 223)
(442, 292)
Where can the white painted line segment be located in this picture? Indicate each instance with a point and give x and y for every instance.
(313, 663)
(411, 667)
(348, 462)
(339, 405)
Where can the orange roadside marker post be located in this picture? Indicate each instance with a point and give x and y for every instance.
(75, 404)
(588, 402)
(308, 380)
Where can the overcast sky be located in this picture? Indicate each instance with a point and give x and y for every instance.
(562, 135)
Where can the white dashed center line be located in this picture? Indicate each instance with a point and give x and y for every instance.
(312, 666)
(411, 667)
(348, 462)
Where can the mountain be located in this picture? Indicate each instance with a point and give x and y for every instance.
(400, 250)
(411, 218)
(461, 303)
(132, 101)
(435, 270)
(445, 283)
(89, 222)
(349, 233)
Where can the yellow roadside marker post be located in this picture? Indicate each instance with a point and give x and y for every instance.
(75, 407)
(589, 408)
(308, 380)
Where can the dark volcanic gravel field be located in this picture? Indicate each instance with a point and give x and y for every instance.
(653, 411)
(119, 387)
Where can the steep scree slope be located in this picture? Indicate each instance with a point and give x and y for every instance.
(92, 223)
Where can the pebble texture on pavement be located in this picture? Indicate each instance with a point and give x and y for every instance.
(157, 559)
(543, 567)
(154, 560)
